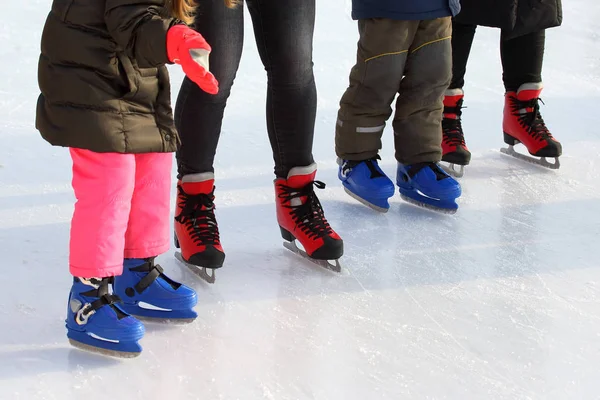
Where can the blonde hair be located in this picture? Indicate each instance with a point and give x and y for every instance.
(184, 9)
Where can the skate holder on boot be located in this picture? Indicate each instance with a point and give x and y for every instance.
(97, 324)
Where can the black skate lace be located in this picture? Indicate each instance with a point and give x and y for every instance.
(309, 216)
(532, 120)
(452, 127)
(415, 168)
(198, 216)
(370, 163)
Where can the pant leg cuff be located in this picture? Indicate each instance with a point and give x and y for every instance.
(105, 272)
(146, 252)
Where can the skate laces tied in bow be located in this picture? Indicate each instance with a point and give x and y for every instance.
(528, 113)
(307, 215)
(452, 127)
(197, 214)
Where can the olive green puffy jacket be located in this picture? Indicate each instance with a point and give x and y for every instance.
(102, 75)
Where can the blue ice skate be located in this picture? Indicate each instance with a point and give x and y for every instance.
(96, 323)
(428, 185)
(148, 293)
(367, 183)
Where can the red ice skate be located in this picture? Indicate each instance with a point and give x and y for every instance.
(523, 123)
(454, 148)
(300, 217)
(196, 229)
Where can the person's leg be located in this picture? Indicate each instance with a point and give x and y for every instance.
(199, 115)
(198, 118)
(522, 60)
(148, 229)
(284, 35)
(144, 288)
(462, 40)
(366, 106)
(454, 148)
(418, 118)
(103, 185)
(374, 82)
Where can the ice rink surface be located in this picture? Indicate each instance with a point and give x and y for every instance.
(499, 301)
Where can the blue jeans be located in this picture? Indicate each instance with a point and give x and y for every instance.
(284, 35)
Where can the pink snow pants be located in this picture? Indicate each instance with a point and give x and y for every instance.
(122, 210)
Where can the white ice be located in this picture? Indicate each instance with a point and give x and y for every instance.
(500, 301)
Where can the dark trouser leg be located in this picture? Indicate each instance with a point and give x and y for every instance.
(462, 40)
(284, 36)
(198, 115)
(374, 82)
(418, 119)
(522, 59)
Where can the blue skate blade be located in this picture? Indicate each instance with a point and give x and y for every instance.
(187, 315)
(415, 198)
(380, 205)
(84, 341)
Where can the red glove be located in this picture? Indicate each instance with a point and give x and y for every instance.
(189, 49)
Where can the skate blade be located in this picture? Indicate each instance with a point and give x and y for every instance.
(451, 170)
(202, 272)
(335, 267)
(542, 161)
(428, 206)
(175, 321)
(102, 351)
(365, 202)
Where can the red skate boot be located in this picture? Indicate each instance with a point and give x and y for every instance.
(196, 229)
(300, 217)
(454, 148)
(523, 123)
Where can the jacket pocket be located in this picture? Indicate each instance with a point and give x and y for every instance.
(128, 75)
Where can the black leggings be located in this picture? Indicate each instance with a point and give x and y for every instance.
(284, 35)
(522, 57)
